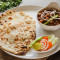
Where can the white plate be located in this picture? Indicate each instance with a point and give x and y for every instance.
(32, 11)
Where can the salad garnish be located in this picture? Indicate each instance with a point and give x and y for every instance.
(44, 43)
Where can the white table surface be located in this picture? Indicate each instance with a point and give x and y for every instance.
(42, 3)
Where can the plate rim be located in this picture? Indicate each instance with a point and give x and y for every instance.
(23, 56)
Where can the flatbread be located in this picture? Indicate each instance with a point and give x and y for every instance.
(17, 32)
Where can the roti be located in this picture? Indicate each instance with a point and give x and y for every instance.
(17, 31)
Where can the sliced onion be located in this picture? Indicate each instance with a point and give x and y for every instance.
(43, 46)
(43, 40)
(46, 47)
(44, 13)
(44, 43)
(53, 12)
(56, 18)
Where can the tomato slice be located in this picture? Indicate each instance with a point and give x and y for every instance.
(45, 37)
(50, 45)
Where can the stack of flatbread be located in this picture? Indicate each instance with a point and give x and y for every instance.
(17, 31)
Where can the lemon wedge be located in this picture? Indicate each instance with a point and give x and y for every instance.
(37, 46)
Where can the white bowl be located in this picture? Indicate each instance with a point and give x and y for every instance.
(49, 28)
(52, 5)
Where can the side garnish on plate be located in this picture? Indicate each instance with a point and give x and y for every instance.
(44, 43)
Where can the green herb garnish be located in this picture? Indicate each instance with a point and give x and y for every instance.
(6, 4)
(51, 19)
(35, 41)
